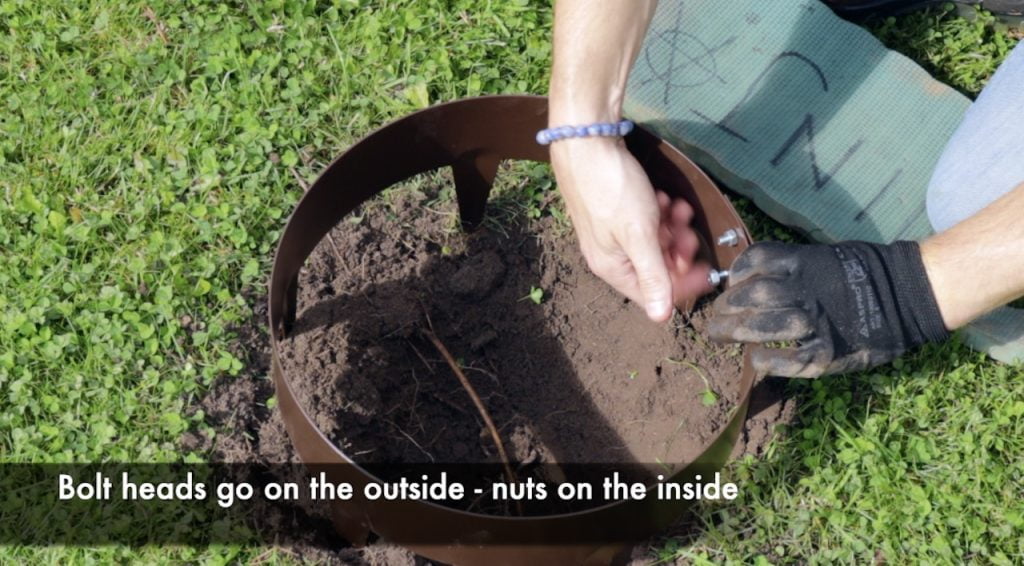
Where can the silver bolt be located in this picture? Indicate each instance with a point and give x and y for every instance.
(729, 238)
(715, 277)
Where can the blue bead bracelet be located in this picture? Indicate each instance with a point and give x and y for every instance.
(607, 129)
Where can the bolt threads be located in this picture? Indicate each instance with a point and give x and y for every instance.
(715, 277)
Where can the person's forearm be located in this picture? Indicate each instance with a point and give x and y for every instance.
(639, 242)
(978, 264)
(595, 44)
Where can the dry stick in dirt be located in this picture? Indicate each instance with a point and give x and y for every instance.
(451, 362)
(429, 333)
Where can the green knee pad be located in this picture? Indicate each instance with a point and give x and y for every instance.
(810, 117)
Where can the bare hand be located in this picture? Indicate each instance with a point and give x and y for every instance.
(638, 241)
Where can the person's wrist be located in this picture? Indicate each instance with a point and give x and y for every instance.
(575, 156)
(914, 293)
(588, 147)
(621, 128)
(954, 305)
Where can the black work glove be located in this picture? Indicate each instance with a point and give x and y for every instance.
(850, 306)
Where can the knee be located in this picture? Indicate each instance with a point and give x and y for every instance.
(945, 200)
(956, 194)
(940, 205)
(981, 161)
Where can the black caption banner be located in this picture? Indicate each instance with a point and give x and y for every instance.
(201, 504)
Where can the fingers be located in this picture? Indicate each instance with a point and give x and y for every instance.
(652, 277)
(664, 202)
(618, 216)
(762, 292)
(761, 308)
(651, 258)
(676, 212)
(690, 282)
(684, 244)
(809, 360)
(765, 304)
(679, 245)
(761, 326)
(677, 238)
(763, 258)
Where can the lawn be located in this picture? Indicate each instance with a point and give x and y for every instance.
(148, 155)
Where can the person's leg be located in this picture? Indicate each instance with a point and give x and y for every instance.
(985, 157)
(983, 161)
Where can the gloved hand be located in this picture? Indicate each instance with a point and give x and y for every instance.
(850, 306)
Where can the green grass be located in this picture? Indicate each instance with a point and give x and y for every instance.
(960, 52)
(916, 462)
(146, 169)
(146, 151)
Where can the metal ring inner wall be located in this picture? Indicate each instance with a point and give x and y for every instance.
(472, 136)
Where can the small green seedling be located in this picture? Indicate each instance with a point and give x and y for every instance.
(633, 374)
(708, 397)
(536, 295)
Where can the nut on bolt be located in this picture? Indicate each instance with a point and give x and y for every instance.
(730, 238)
(715, 277)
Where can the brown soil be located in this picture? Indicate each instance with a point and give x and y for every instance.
(582, 377)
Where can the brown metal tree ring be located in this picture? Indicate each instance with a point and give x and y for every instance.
(472, 136)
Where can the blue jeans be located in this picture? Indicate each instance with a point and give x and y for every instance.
(985, 157)
(983, 161)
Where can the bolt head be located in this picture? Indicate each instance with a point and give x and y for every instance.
(729, 238)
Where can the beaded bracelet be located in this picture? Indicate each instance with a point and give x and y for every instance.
(609, 129)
